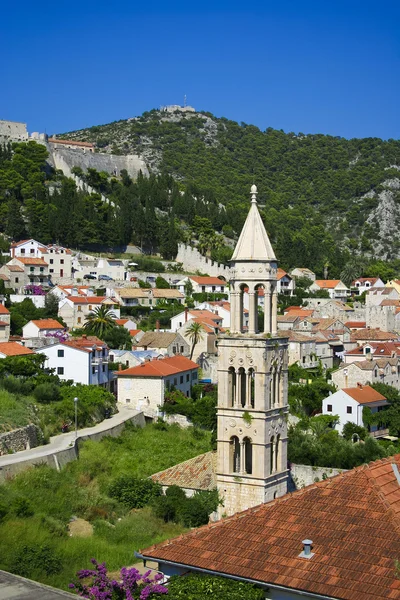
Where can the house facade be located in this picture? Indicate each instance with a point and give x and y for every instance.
(144, 386)
(82, 360)
(348, 404)
(366, 372)
(145, 297)
(165, 343)
(208, 285)
(41, 328)
(4, 323)
(75, 309)
(285, 283)
(336, 288)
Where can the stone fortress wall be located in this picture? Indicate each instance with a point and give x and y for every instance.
(193, 261)
(13, 131)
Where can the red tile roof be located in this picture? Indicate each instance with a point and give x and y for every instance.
(4, 324)
(160, 367)
(48, 324)
(281, 273)
(207, 280)
(4, 310)
(133, 332)
(373, 334)
(379, 349)
(298, 312)
(14, 349)
(352, 519)
(355, 324)
(87, 299)
(364, 394)
(86, 343)
(327, 283)
(32, 261)
(197, 473)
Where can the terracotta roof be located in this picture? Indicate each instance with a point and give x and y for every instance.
(166, 293)
(121, 321)
(4, 324)
(70, 142)
(86, 343)
(197, 473)
(364, 394)
(158, 339)
(390, 302)
(372, 334)
(352, 520)
(15, 268)
(361, 280)
(295, 336)
(379, 349)
(208, 315)
(32, 261)
(281, 273)
(355, 324)
(288, 318)
(132, 292)
(134, 332)
(4, 277)
(14, 349)
(207, 280)
(328, 284)
(4, 310)
(160, 367)
(298, 311)
(88, 299)
(48, 324)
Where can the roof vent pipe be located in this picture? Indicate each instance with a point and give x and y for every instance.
(307, 545)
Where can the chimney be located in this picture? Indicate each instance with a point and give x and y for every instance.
(84, 336)
(306, 553)
(119, 367)
(158, 325)
(12, 249)
(359, 385)
(186, 314)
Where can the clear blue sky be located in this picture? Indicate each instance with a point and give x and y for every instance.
(326, 66)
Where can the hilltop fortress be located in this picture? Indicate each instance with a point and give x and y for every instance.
(66, 154)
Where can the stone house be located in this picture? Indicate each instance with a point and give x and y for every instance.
(348, 404)
(146, 297)
(336, 288)
(303, 272)
(83, 360)
(287, 321)
(361, 336)
(132, 358)
(74, 309)
(164, 342)
(376, 295)
(366, 372)
(144, 386)
(301, 349)
(36, 270)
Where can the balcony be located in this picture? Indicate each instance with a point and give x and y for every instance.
(378, 433)
(312, 364)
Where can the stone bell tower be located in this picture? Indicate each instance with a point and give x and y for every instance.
(252, 379)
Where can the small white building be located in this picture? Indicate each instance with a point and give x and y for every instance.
(41, 328)
(127, 324)
(144, 386)
(335, 288)
(285, 283)
(83, 360)
(348, 404)
(74, 309)
(222, 308)
(300, 272)
(208, 285)
(364, 284)
(4, 323)
(58, 258)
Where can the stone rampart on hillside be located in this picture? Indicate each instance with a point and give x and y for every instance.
(66, 158)
(19, 439)
(193, 261)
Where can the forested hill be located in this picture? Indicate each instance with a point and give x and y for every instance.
(320, 193)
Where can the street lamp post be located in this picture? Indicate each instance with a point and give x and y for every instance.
(76, 417)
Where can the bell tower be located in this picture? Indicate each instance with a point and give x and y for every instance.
(252, 379)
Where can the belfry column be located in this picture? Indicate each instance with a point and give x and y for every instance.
(274, 310)
(267, 308)
(235, 301)
(252, 312)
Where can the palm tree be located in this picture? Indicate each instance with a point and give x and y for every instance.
(195, 334)
(352, 270)
(100, 321)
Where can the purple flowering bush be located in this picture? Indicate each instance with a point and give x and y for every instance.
(58, 334)
(35, 290)
(132, 585)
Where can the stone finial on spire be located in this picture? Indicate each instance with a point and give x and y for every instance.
(254, 193)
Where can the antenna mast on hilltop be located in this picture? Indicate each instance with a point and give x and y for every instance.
(184, 100)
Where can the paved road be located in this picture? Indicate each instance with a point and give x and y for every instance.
(65, 440)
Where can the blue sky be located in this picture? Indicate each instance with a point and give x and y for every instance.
(327, 66)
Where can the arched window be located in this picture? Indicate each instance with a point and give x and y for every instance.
(248, 455)
(278, 453)
(252, 387)
(272, 460)
(235, 455)
(242, 289)
(274, 398)
(231, 386)
(259, 314)
(271, 390)
(278, 388)
(242, 386)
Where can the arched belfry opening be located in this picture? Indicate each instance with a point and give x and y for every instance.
(252, 377)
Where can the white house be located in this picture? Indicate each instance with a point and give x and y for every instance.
(58, 258)
(4, 323)
(206, 316)
(84, 360)
(222, 308)
(300, 272)
(127, 323)
(74, 309)
(348, 404)
(209, 285)
(144, 386)
(364, 284)
(285, 283)
(336, 288)
(41, 328)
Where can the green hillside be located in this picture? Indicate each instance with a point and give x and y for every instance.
(321, 194)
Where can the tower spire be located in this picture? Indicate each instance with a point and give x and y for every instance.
(253, 193)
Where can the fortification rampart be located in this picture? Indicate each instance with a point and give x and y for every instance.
(13, 131)
(193, 261)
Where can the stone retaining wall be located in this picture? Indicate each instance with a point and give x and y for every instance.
(303, 475)
(23, 438)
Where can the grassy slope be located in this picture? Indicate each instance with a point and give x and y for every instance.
(15, 411)
(81, 490)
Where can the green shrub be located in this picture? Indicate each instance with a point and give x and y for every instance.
(133, 491)
(47, 392)
(22, 507)
(349, 429)
(3, 511)
(31, 561)
(201, 587)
